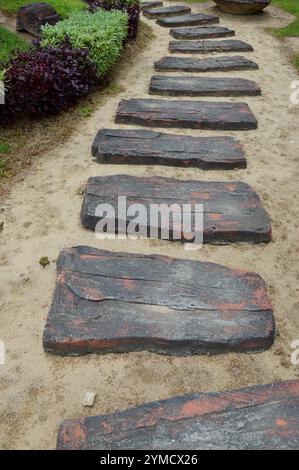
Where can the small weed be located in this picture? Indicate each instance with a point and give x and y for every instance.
(44, 261)
(85, 111)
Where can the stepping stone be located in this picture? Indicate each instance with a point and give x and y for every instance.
(201, 32)
(186, 114)
(232, 211)
(145, 5)
(164, 12)
(205, 47)
(212, 64)
(202, 86)
(144, 147)
(194, 19)
(261, 417)
(120, 302)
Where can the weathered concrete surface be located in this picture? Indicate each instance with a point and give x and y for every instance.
(194, 19)
(209, 45)
(201, 32)
(166, 12)
(262, 417)
(232, 211)
(153, 4)
(145, 147)
(213, 64)
(119, 302)
(202, 86)
(186, 114)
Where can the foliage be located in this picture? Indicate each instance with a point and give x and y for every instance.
(131, 7)
(46, 80)
(102, 33)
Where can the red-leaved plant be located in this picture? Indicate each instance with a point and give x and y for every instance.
(46, 81)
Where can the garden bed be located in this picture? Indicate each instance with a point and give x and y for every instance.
(27, 139)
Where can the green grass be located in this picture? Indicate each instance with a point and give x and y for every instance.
(85, 111)
(63, 7)
(9, 44)
(292, 6)
(4, 148)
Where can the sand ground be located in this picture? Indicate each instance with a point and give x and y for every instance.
(41, 216)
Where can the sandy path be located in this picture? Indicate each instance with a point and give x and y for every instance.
(41, 216)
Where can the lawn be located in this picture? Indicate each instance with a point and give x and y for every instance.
(10, 43)
(63, 7)
(292, 6)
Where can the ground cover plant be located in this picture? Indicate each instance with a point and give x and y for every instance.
(103, 33)
(63, 7)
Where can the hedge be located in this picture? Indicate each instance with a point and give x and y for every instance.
(102, 33)
(63, 7)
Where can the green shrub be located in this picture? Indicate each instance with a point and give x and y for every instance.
(102, 33)
(9, 44)
(63, 7)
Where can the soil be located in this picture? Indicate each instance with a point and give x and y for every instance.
(41, 216)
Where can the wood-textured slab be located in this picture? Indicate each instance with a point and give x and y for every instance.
(202, 86)
(261, 417)
(212, 64)
(145, 147)
(194, 19)
(165, 12)
(201, 32)
(186, 114)
(232, 211)
(119, 302)
(209, 45)
(146, 5)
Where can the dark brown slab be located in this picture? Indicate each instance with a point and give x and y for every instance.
(186, 114)
(242, 7)
(194, 19)
(262, 417)
(33, 16)
(120, 302)
(232, 211)
(202, 86)
(145, 147)
(165, 12)
(145, 5)
(201, 32)
(209, 45)
(211, 64)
